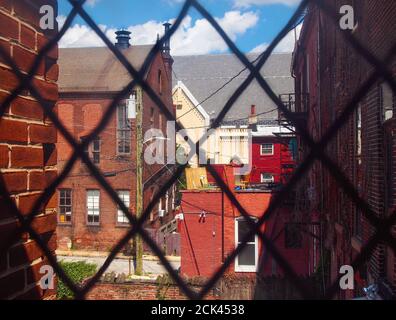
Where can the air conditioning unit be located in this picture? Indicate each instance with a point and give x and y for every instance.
(161, 213)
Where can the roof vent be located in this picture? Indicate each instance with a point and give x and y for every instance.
(123, 37)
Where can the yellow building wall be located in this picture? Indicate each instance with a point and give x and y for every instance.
(224, 143)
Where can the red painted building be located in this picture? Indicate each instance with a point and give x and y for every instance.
(329, 72)
(90, 78)
(211, 227)
(273, 155)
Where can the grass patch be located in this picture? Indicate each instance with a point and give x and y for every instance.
(78, 272)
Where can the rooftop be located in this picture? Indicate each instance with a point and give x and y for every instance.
(97, 69)
(204, 74)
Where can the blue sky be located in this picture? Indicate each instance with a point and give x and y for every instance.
(252, 24)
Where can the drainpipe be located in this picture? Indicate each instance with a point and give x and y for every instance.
(222, 228)
(320, 134)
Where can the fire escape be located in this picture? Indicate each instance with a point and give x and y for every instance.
(297, 104)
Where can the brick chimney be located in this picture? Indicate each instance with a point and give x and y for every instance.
(253, 119)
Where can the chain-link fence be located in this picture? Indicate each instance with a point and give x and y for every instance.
(316, 150)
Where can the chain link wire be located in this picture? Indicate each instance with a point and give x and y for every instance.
(317, 152)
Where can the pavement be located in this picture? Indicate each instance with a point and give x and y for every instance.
(121, 264)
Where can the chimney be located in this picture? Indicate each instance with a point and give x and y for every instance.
(253, 120)
(167, 48)
(123, 37)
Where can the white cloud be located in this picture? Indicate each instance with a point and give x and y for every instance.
(260, 48)
(92, 3)
(286, 45)
(192, 37)
(248, 3)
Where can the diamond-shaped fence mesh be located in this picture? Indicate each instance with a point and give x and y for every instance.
(317, 152)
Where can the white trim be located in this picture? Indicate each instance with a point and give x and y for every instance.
(245, 268)
(182, 86)
(267, 154)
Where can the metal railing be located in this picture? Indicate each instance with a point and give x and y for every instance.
(316, 150)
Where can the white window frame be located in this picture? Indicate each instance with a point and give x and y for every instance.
(267, 180)
(125, 197)
(93, 206)
(123, 131)
(386, 102)
(66, 193)
(167, 202)
(245, 268)
(267, 154)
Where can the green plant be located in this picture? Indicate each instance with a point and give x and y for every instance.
(163, 284)
(78, 272)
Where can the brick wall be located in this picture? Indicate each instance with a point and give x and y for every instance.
(81, 112)
(202, 245)
(342, 71)
(27, 152)
(141, 290)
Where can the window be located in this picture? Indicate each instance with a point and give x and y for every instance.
(123, 131)
(152, 117)
(293, 237)
(93, 206)
(307, 74)
(358, 226)
(86, 148)
(93, 150)
(386, 96)
(179, 107)
(389, 168)
(357, 221)
(160, 122)
(267, 178)
(65, 205)
(125, 198)
(247, 260)
(293, 147)
(96, 151)
(160, 84)
(359, 135)
(267, 149)
(167, 202)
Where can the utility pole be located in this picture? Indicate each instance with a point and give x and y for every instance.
(139, 180)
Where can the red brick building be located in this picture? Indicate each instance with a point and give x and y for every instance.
(211, 227)
(330, 71)
(90, 79)
(27, 150)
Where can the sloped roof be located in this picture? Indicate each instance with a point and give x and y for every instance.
(97, 69)
(204, 74)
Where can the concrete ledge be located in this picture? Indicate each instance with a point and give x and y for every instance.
(96, 254)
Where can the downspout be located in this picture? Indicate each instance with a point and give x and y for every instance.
(222, 228)
(320, 134)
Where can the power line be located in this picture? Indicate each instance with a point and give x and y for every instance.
(235, 76)
(220, 88)
(240, 119)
